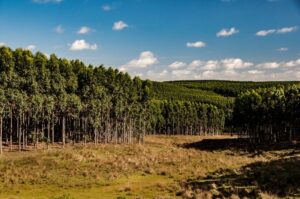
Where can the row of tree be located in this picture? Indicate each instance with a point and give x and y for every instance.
(229, 88)
(173, 117)
(56, 100)
(269, 114)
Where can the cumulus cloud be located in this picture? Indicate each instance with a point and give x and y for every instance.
(181, 73)
(46, 1)
(2, 44)
(227, 32)
(292, 63)
(31, 47)
(282, 49)
(82, 45)
(210, 65)
(106, 8)
(159, 75)
(268, 65)
(59, 29)
(254, 72)
(146, 58)
(235, 63)
(287, 29)
(263, 33)
(197, 44)
(119, 25)
(84, 30)
(227, 68)
(226, 64)
(177, 64)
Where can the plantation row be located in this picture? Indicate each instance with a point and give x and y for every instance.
(172, 91)
(186, 118)
(57, 100)
(229, 88)
(269, 114)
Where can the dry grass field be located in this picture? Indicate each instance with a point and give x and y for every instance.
(164, 167)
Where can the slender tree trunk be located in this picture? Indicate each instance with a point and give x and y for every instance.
(1, 125)
(63, 131)
(11, 131)
(19, 132)
(23, 130)
(52, 132)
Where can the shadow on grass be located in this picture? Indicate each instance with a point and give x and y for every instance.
(238, 144)
(279, 177)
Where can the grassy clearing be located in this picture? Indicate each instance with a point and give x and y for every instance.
(159, 169)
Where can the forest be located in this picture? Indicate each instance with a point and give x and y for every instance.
(58, 100)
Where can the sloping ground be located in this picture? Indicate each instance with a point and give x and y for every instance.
(162, 168)
(229, 88)
(168, 91)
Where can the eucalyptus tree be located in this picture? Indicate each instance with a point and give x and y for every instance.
(72, 112)
(2, 109)
(36, 109)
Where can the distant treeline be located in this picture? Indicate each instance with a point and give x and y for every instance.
(264, 111)
(230, 88)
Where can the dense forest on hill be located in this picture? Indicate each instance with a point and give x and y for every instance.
(230, 88)
(58, 100)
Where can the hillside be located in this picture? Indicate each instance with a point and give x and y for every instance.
(228, 88)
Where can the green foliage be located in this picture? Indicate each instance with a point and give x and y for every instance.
(230, 88)
(269, 114)
(174, 91)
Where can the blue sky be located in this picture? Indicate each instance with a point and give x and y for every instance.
(163, 39)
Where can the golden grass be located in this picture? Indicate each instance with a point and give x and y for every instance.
(153, 170)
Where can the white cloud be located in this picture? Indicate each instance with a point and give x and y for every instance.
(2, 44)
(106, 7)
(59, 29)
(31, 47)
(197, 44)
(208, 73)
(235, 63)
(268, 65)
(181, 73)
(226, 69)
(145, 59)
(195, 63)
(287, 30)
(210, 65)
(46, 1)
(159, 75)
(82, 45)
(119, 25)
(263, 33)
(254, 72)
(177, 64)
(227, 32)
(282, 49)
(292, 63)
(84, 30)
